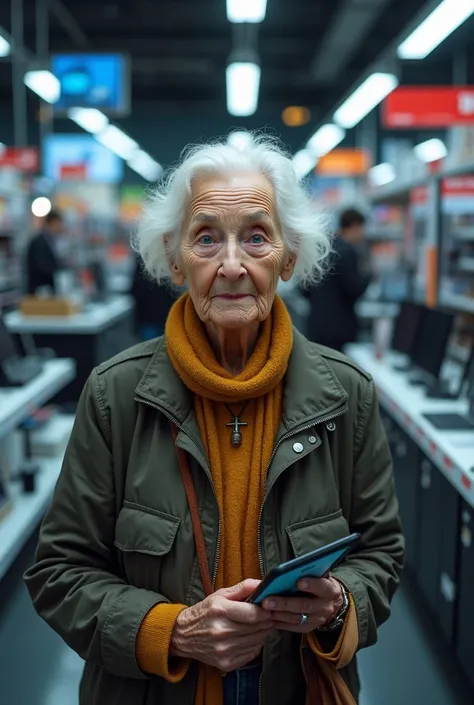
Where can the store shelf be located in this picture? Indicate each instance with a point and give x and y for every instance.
(458, 302)
(26, 513)
(18, 403)
(466, 233)
(466, 264)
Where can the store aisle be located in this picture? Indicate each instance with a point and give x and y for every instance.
(402, 670)
(405, 667)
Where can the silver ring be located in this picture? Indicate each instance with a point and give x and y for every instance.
(304, 619)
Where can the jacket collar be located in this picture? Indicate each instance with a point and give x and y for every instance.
(312, 389)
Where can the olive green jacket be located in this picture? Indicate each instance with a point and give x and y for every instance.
(118, 538)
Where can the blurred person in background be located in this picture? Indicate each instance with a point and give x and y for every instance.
(332, 319)
(152, 304)
(201, 460)
(43, 256)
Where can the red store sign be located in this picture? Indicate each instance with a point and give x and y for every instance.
(24, 159)
(428, 107)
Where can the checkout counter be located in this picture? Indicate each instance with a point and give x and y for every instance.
(434, 476)
(99, 331)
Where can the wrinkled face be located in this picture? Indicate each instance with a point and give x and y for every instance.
(232, 251)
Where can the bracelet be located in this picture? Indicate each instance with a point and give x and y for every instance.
(337, 621)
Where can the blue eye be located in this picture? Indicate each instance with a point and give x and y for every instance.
(206, 240)
(257, 239)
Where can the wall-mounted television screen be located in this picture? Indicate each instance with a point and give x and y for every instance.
(99, 81)
(71, 157)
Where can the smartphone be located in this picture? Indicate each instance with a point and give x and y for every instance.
(283, 579)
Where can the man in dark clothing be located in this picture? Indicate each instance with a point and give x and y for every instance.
(152, 305)
(332, 320)
(42, 260)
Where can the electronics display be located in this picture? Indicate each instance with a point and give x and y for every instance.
(15, 371)
(100, 81)
(80, 158)
(407, 325)
(457, 422)
(431, 340)
(283, 579)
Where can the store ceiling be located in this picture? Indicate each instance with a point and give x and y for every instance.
(311, 51)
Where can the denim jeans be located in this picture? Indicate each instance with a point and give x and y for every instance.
(242, 687)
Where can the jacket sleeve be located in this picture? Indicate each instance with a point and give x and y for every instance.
(74, 583)
(371, 573)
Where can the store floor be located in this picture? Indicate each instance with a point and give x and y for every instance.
(36, 668)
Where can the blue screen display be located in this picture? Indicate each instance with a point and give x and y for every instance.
(91, 81)
(286, 584)
(63, 154)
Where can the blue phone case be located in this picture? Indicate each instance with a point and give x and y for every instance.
(286, 582)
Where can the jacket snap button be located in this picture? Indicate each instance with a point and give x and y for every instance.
(298, 447)
(312, 440)
(331, 426)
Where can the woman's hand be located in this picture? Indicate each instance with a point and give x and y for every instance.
(322, 601)
(223, 630)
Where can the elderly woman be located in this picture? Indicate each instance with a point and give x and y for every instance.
(201, 460)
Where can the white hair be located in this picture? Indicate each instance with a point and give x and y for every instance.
(305, 230)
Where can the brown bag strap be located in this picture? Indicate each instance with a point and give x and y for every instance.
(195, 518)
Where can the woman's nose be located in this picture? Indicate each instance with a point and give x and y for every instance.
(231, 266)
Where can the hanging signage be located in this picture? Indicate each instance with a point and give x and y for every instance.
(24, 159)
(100, 81)
(428, 107)
(344, 162)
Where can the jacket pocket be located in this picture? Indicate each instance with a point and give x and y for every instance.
(311, 534)
(144, 538)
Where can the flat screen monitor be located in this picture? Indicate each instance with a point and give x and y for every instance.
(71, 157)
(100, 81)
(407, 326)
(7, 346)
(431, 341)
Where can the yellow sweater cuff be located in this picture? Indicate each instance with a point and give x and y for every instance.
(153, 643)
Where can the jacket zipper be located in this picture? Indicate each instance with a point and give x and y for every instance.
(285, 437)
(174, 420)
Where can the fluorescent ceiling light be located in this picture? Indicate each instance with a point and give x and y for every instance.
(325, 139)
(44, 84)
(303, 163)
(447, 17)
(146, 166)
(246, 10)
(89, 119)
(240, 140)
(381, 174)
(431, 151)
(5, 47)
(117, 141)
(243, 84)
(41, 206)
(365, 98)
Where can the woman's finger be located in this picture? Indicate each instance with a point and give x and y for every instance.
(296, 605)
(314, 620)
(324, 588)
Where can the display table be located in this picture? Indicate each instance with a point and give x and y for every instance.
(17, 404)
(434, 478)
(452, 452)
(99, 332)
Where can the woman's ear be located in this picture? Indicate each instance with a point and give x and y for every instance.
(288, 267)
(177, 275)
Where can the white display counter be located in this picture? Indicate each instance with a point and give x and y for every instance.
(451, 451)
(92, 320)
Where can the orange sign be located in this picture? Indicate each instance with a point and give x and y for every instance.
(344, 162)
